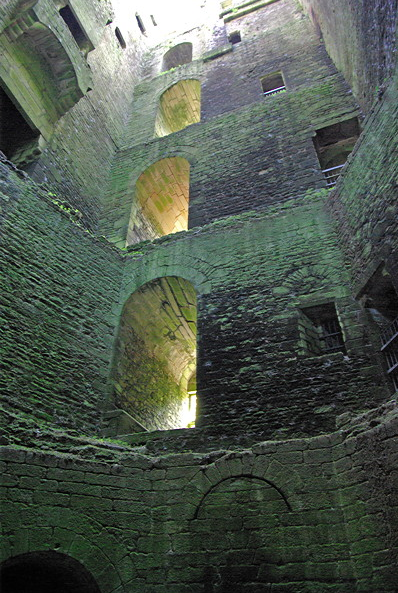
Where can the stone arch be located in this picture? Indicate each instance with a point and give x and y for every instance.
(177, 56)
(245, 464)
(186, 266)
(60, 67)
(72, 533)
(236, 477)
(155, 353)
(49, 65)
(179, 107)
(45, 572)
(161, 200)
(244, 517)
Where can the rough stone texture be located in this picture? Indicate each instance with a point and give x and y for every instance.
(81, 145)
(57, 320)
(266, 494)
(368, 234)
(249, 151)
(302, 515)
(360, 37)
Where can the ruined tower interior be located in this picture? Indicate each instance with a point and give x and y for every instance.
(199, 296)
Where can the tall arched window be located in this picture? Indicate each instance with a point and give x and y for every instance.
(156, 354)
(161, 200)
(179, 107)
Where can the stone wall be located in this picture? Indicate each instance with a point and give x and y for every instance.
(59, 288)
(364, 202)
(252, 275)
(301, 515)
(360, 37)
(79, 146)
(248, 151)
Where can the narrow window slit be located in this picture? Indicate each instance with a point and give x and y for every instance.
(120, 38)
(140, 24)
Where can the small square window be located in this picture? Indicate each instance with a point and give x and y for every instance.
(320, 330)
(273, 84)
(234, 37)
(140, 24)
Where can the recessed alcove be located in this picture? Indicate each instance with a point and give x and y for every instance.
(18, 139)
(155, 357)
(46, 572)
(76, 30)
(161, 200)
(177, 56)
(179, 107)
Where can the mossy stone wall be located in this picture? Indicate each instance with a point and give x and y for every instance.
(360, 37)
(248, 151)
(60, 286)
(301, 515)
(364, 203)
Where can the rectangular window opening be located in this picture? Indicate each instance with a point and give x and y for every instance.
(333, 144)
(77, 32)
(320, 330)
(273, 84)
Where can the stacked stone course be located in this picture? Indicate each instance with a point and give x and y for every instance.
(288, 482)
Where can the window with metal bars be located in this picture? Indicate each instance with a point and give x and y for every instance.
(273, 84)
(320, 330)
(389, 347)
(381, 301)
(333, 144)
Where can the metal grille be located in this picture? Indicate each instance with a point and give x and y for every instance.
(331, 336)
(389, 347)
(280, 89)
(332, 174)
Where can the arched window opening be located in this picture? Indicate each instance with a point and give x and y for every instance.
(179, 107)
(75, 28)
(156, 354)
(46, 572)
(161, 196)
(333, 144)
(19, 141)
(177, 56)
